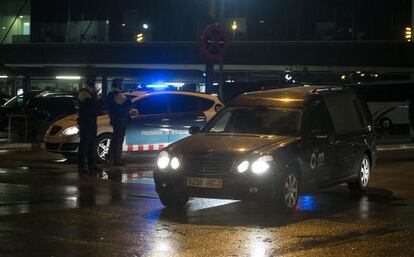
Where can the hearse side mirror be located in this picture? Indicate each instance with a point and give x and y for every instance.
(194, 130)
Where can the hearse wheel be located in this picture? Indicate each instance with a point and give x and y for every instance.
(290, 193)
(360, 185)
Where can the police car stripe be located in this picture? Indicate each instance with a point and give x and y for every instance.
(141, 148)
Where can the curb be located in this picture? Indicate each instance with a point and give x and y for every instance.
(21, 146)
(395, 147)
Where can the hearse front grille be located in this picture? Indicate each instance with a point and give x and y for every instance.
(207, 164)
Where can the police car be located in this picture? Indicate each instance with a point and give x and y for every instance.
(164, 117)
(272, 145)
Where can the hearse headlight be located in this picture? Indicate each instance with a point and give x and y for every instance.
(262, 164)
(163, 160)
(175, 163)
(243, 166)
(70, 131)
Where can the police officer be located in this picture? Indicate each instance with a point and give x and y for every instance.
(88, 111)
(119, 112)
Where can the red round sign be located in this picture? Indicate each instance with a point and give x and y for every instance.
(213, 42)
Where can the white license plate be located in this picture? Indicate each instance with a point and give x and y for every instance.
(204, 182)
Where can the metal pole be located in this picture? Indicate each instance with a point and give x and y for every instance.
(104, 87)
(26, 129)
(412, 16)
(9, 128)
(209, 65)
(209, 77)
(221, 64)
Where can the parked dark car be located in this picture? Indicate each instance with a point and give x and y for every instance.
(41, 108)
(14, 106)
(275, 145)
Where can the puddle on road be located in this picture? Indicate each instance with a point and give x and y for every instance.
(127, 176)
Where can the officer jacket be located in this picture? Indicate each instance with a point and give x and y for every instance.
(118, 111)
(88, 106)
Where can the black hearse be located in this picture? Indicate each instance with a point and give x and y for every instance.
(273, 144)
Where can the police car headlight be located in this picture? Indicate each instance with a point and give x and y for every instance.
(262, 164)
(175, 163)
(70, 131)
(243, 166)
(163, 160)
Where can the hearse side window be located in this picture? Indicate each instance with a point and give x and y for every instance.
(361, 116)
(344, 113)
(319, 120)
(156, 104)
(257, 120)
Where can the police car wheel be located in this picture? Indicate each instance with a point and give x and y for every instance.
(290, 192)
(102, 147)
(360, 185)
(173, 200)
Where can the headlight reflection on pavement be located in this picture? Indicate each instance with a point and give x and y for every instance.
(199, 204)
(307, 203)
(259, 244)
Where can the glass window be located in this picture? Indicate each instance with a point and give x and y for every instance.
(344, 112)
(256, 120)
(188, 103)
(319, 120)
(61, 105)
(37, 104)
(26, 28)
(155, 104)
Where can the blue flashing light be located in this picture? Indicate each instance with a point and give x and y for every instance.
(157, 86)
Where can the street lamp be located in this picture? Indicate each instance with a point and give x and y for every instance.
(145, 26)
(407, 34)
(140, 37)
(234, 26)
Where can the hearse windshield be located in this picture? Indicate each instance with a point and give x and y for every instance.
(256, 120)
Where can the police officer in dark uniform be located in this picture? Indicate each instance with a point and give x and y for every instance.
(119, 113)
(88, 111)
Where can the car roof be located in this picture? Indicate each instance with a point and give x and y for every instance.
(53, 94)
(289, 97)
(146, 93)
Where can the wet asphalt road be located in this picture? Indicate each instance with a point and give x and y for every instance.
(47, 209)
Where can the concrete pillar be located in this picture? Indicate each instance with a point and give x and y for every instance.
(104, 86)
(412, 15)
(209, 77)
(26, 84)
